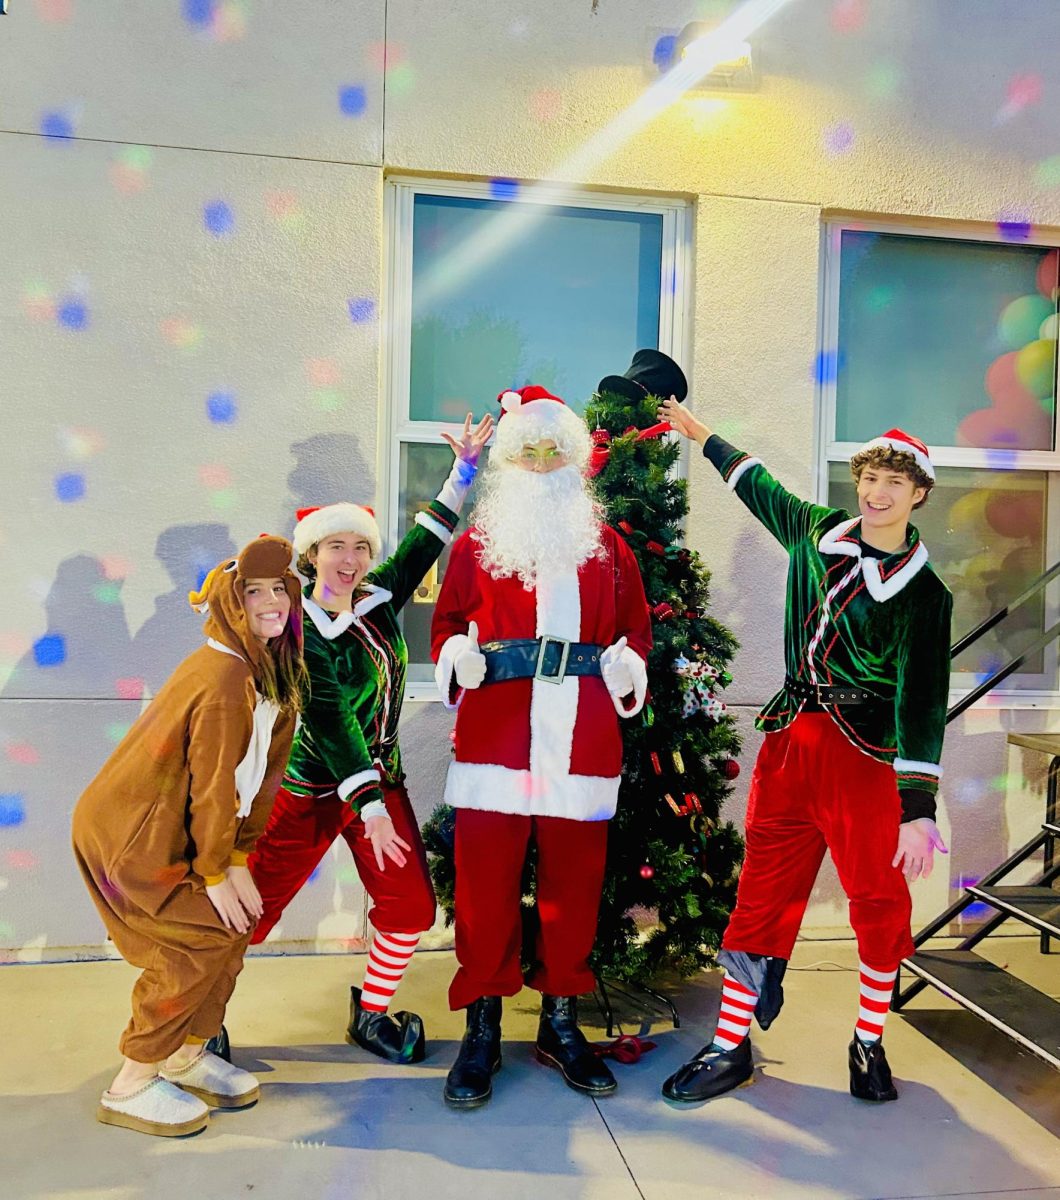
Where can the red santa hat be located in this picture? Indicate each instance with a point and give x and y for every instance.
(315, 524)
(533, 414)
(898, 439)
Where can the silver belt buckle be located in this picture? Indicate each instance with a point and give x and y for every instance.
(564, 655)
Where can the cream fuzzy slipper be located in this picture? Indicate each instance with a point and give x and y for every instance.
(158, 1107)
(217, 1082)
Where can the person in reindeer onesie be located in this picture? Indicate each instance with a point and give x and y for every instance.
(540, 635)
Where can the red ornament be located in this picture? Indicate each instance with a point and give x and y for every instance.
(730, 768)
(655, 548)
(663, 612)
(692, 803)
(599, 437)
(654, 756)
(647, 871)
(626, 528)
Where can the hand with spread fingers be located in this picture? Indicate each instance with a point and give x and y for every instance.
(469, 445)
(917, 842)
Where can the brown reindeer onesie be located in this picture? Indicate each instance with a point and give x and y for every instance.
(183, 797)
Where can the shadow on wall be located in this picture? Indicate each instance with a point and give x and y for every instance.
(329, 468)
(174, 630)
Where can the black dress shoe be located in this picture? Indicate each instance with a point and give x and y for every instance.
(398, 1038)
(470, 1083)
(219, 1045)
(870, 1075)
(561, 1044)
(711, 1073)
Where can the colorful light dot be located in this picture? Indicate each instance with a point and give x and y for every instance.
(1014, 227)
(129, 689)
(848, 16)
(826, 366)
(108, 593)
(1047, 172)
(12, 810)
(199, 13)
(221, 408)
(180, 332)
(224, 499)
(49, 650)
(328, 399)
(352, 100)
(662, 54)
(400, 79)
(839, 138)
(116, 731)
(218, 218)
(361, 309)
(546, 104)
(70, 488)
(504, 189)
(56, 126)
(72, 313)
(215, 475)
(323, 372)
(21, 860)
(115, 566)
(22, 753)
(55, 12)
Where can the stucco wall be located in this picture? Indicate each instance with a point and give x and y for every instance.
(206, 227)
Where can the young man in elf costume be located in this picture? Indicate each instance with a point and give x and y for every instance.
(541, 635)
(344, 777)
(851, 758)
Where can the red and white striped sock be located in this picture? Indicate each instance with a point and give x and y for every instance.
(389, 956)
(734, 1019)
(874, 1001)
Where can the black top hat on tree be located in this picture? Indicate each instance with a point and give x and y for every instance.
(651, 373)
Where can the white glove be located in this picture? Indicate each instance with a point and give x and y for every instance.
(470, 664)
(615, 669)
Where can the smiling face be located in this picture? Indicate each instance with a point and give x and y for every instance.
(341, 561)
(267, 606)
(886, 498)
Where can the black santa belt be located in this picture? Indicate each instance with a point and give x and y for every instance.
(839, 693)
(549, 659)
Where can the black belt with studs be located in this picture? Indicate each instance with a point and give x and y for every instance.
(549, 659)
(840, 693)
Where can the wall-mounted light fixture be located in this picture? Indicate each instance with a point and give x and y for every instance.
(735, 72)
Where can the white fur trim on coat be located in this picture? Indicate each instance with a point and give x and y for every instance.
(352, 782)
(445, 668)
(740, 471)
(336, 518)
(433, 525)
(502, 789)
(918, 768)
(554, 707)
(250, 774)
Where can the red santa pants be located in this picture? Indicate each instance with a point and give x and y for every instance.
(813, 790)
(299, 832)
(490, 852)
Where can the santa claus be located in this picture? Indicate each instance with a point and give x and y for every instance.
(540, 636)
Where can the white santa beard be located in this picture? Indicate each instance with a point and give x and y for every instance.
(532, 524)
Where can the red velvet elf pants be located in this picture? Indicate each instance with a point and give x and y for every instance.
(490, 852)
(813, 790)
(299, 833)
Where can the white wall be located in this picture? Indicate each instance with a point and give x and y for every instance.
(169, 118)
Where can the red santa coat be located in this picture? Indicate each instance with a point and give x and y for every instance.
(529, 746)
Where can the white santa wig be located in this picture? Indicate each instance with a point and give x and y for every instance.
(533, 415)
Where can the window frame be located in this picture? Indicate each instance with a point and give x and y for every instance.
(397, 429)
(829, 450)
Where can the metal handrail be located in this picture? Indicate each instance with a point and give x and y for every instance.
(1041, 582)
(1008, 669)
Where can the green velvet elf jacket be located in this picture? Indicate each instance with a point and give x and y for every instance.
(357, 662)
(881, 624)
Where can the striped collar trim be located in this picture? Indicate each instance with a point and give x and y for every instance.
(882, 582)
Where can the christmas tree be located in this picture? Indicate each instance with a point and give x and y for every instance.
(672, 862)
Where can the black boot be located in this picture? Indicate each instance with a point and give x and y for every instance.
(398, 1038)
(219, 1045)
(711, 1073)
(561, 1044)
(470, 1082)
(870, 1075)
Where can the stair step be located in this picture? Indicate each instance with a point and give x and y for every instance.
(1022, 1012)
(1037, 906)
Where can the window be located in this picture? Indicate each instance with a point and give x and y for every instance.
(497, 287)
(954, 339)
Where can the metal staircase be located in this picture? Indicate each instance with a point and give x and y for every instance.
(1025, 1014)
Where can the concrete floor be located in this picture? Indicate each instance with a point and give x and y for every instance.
(977, 1117)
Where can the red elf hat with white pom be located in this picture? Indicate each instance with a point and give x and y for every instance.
(315, 524)
(898, 439)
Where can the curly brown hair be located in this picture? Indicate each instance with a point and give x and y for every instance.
(884, 458)
(304, 567)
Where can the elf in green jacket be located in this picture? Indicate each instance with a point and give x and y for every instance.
(344, 777)
(851, 760)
